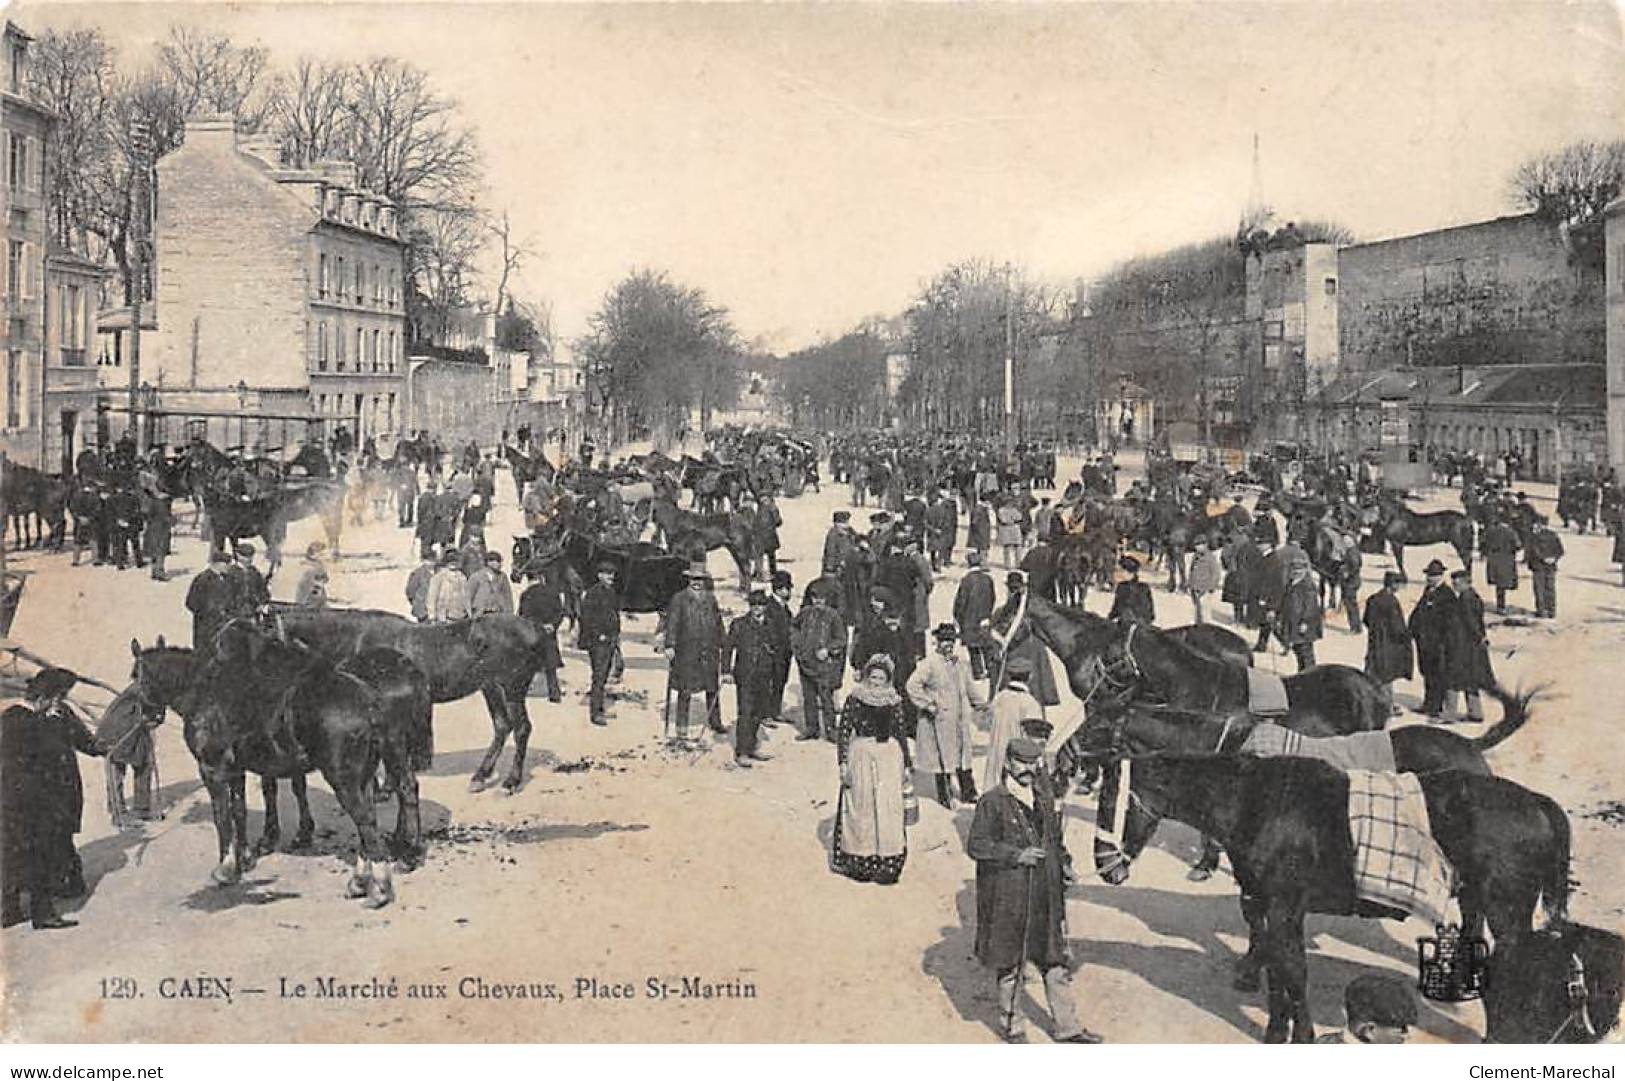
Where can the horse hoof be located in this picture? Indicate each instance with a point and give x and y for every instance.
(224, 876)
(265, 845)
(1274, 1035)
(1199, 874)
(479, 784)
(510, 786)
(301, 842)
(356, 887)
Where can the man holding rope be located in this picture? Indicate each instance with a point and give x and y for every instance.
(1015, 840)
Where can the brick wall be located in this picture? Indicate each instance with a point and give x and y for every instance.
(1496, 292)
(232, 254)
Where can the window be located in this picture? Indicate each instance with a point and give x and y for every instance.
(1331, 287)
(360, 285)
(389, 357)
(14, 389)
(16, 264)
(392, 280)
(373, 353)
(321, 275)
(377, 286)
(72, 332)
(338, 349)
(321, 403)
(14, 78)
(16, 161)
(338, 283)
(360, 346)
(321, 346)
(391, 414)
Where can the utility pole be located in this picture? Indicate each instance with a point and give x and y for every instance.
(1009, 359)
(140, 150)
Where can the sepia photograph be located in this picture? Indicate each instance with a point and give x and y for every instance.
(694, 523)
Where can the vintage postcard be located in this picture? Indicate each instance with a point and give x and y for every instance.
(605, 523)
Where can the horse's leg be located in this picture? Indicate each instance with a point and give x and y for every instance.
(271, 835)
(519, 721)
(1294, 967)
(498, 708)
(1399, 559)
(408, 816)
(1274, 953)
(239, 823)
(356, 799)
(1248, 966)
(225, 871)
(1209, 862)
(307, 824)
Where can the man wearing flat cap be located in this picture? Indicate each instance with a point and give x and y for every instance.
(1132, 601)
(693, 646)
(1015, 839)
(43, 799)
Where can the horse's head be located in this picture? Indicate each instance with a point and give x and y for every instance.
(162, 673)
(1124, 820)
(1567, 987)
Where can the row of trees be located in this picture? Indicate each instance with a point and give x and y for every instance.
(407, 139)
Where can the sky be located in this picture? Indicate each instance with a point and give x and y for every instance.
(809, 166)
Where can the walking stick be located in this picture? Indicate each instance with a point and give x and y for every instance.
(665, 723)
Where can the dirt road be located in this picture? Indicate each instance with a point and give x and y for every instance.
(629, 892)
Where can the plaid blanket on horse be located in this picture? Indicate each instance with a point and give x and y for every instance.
(1372, 751)
(1396, 860)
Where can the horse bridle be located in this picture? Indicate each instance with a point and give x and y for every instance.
(1123, 672)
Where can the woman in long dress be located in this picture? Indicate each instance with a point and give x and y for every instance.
(870, 842)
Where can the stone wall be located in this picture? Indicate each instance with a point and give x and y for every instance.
(1506, 291)
(456, 402)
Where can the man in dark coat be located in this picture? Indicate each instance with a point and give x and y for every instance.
(1542, 553)
(1301, 618)
(1015, 839)
(428, 517)
(598, 631)
(942, 528)
(543, 605)
(766, 532)
(253, 593)
(1500, 543)
(1242, 561)
(748, 657)
(973, 608)
(1430, 626)
(1132, 600)
(979, 534)
(212, 600)
(693, 646)
(778, 622)
(839, 543)
(42, 800)
(818, 640)
(156, 509)
(1469, 667)
(1388, 640)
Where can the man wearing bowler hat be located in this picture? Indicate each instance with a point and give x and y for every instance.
(748, 658)
(1432, 623)
(598, 631)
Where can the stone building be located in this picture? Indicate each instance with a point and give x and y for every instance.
(25, 133)
(1615, 334)
(71, 391)
(279, 291)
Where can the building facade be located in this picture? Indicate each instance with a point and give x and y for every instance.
(70, 391)
(25, 133)
(1614, 302)
(278, 291)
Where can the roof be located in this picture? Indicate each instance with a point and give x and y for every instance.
(1540, 386)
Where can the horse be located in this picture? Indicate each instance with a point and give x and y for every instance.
(693, 536)
(647, 577)
(1140, 729)
(33, 501)
(264, 706)
(1284, 822)
(267, 517)
(526, 468)
(1404, 528)
(1556, 985)
(495, 654)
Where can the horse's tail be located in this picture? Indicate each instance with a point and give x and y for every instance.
(1515, 706)
(1554, 886)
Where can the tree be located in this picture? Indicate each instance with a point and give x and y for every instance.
(308, 110)
(443, 246)
(654, 351)
(211, 74)
(838, 384)
(513, 253)
(73, 74)
(1573, 185)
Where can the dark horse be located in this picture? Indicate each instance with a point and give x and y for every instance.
(496, 655)
(1144, 730)
(267, 517)
(262, 706)
(1285, 824)
(692, 535)
(1557, 985)
(1404, 528)
(646, 577)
